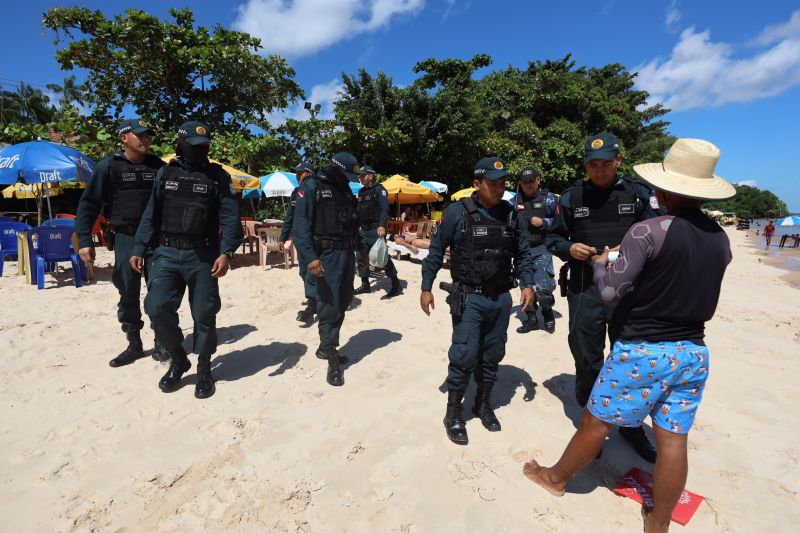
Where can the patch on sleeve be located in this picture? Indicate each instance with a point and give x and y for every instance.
(301, 194)
(233, 191)
(654, 202)
(383, 192)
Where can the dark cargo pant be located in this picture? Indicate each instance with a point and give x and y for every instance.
(334, 292)
(128, 283)
(479, 340)
(172, 272)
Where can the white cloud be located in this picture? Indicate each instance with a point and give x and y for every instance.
(324, 94)
(673, 15)
(749, 183)
(703, 73)
(294, 28)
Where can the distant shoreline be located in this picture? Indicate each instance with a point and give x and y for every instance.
(787, 259)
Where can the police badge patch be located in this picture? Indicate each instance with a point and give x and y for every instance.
(581, 212)
(626, 209)
(128, 176)
(171, 185)
(200, 187)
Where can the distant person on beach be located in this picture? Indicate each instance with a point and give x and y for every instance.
(659, 364)
(120, 188)
(769, 231)
(193, 218)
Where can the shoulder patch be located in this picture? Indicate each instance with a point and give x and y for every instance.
(233, 191)
(654, 202)
(301, 193)
(383, 192)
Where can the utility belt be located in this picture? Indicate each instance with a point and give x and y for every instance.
(457, 294)
(186, 243)
(322, 244)
(126, 230)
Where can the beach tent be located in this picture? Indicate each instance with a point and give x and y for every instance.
(788, 221)
(403, 191)
(278, 184)
(242, 181)
(435, 186)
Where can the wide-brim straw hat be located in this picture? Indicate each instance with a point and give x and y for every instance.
(688, 170)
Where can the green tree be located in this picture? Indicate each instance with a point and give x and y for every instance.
(26, 105)
(170, 71)
(70, 92)
(751, 202)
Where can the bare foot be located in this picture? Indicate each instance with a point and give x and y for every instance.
(533, 471)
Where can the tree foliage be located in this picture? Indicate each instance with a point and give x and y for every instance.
(170, 71)
(751, 202)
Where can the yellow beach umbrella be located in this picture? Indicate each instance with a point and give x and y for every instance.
(403, 191)
(28, 191)
(463, 193)
(242, 181)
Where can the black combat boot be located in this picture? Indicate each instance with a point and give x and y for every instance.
(636, 437)
(549, 319)
(532, 322)
(323, 353)
(454, 418)
(160, 353)
(364, 288)
(483, 407)
(307, 314)
(133, 352)
(335, 376)
(394, 291)
(204, 388)
(177, 367)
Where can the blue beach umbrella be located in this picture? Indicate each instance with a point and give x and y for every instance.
(43, 162)
(791, 220)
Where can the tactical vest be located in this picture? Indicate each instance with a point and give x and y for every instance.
(335, 215)
(484, 256)
(601, 217)
(369, 210)
(189, 202)
(131, 185)
(535, 208)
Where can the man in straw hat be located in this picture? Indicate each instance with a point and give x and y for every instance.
(660, 362)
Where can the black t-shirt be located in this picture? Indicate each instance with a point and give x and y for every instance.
(675, 264)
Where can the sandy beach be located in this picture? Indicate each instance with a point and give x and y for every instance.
(92, 448)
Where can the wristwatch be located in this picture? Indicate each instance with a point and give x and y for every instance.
(527, 286)
(229, 253)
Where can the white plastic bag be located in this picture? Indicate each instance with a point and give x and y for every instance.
(378, 254)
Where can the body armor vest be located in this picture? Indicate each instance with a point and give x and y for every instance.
(535, 208)
(335, 216)
(601, 217)
(189, 202)
(369, 210)
(131, 185)
(484, 256)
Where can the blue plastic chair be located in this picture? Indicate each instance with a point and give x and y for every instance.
(53, 245)
(8, 240)
(59, 223)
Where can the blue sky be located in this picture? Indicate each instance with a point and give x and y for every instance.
(729, 71)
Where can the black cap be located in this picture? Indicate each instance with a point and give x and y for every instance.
(304, 166)
(348, 163)
(194, 132)
(528, 174)
(366, 169)
(492, 168)
(134, 125)
(603, 145)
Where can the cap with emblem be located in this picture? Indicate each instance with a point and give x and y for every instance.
(492, 168)
(134, 125)
(348, 163)
(603, 145)
(366, 169)
(528, 174)
(304, 166)
(194, 132)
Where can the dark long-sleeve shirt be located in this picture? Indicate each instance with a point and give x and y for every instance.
(229, 217)
(676, 263)
(449, 233)
(99, 192)
(550, 205)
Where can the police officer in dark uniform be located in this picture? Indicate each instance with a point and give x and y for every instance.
(120, 188)
(373, 215)
(593, 214)
(324, 230)
(536, 206)
(191, 199)
(302, 171)
(488, 250)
